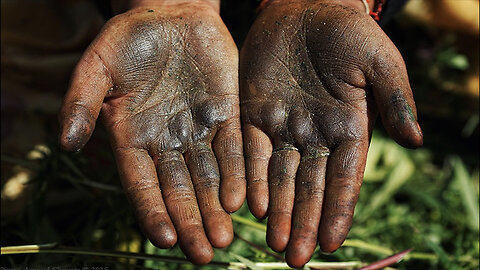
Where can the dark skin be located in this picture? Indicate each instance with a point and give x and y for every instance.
(313, 77)
(164, 76)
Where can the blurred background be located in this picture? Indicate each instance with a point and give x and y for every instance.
(425, 199)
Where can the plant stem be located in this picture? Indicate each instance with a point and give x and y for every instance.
(352, 243)
(54, 248)
(387, 261)
(248, 222)
(313, 265)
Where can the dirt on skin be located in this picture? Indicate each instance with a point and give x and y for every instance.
(313, 77)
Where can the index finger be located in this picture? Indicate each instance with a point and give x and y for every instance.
(345, 168)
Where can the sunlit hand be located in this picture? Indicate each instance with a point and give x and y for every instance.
(165, 78)
(313, 76)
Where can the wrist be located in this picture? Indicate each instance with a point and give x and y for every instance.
(215, 4)
(359, 4)
(371, 7)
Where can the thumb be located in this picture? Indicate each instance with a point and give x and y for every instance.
(393, 96)
(81, 107)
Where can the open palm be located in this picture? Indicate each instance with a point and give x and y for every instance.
(165, 79)
(313, 76)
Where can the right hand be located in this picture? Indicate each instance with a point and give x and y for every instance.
(314, 75)
(165, 78)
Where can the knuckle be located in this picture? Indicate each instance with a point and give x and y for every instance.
(203, 165)
(188, 213)
(156, 212)
(230, 143)
(203, 185)
(232, 167)
(257, 147)
(340, 206)
(142, 186)
(177, 195)
(311, 190)
(145, 205)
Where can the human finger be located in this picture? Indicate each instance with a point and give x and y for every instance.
(139, 180)
(258, 150)
(80, 109)
(345, 168)
(205, 176)
(180, 199)
(393, 96)
(228, 149)
(281, 179)
(309, 192)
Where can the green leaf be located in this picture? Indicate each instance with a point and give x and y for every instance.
(468, 192)
(442, 255)
(400, 174)
(458, 62)
(374, 172)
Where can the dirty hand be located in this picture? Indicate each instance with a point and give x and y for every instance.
(313, 76)
(164, 76)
